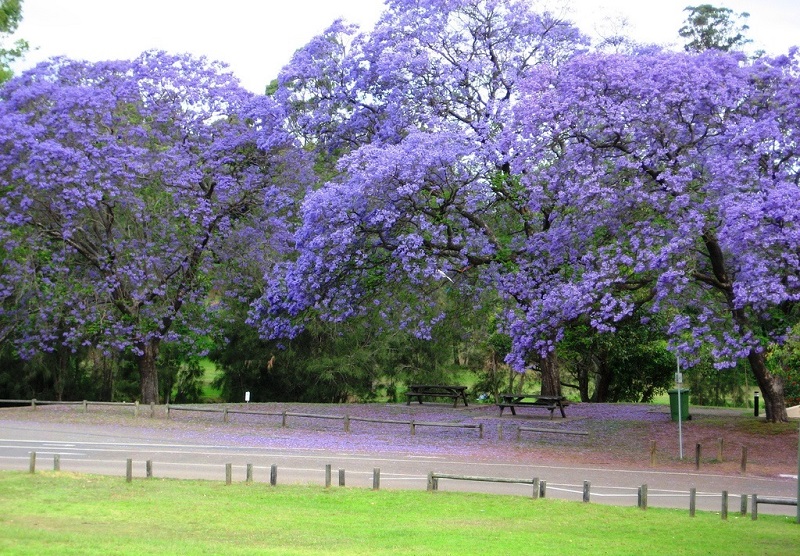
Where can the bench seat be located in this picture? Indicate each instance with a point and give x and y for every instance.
(419, 391)
(551, 403)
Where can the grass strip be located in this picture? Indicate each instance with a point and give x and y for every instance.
(65, 513)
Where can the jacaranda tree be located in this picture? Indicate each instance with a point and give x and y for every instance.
(672, 182)
(423, 197)
(125, 186)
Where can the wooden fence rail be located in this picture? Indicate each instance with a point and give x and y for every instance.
(85, 403)
(346, 419)
(522, 429)
(538, 490)
(538, 486)
(771, 500)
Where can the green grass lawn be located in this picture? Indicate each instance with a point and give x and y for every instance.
(61, 513)
(210, 374)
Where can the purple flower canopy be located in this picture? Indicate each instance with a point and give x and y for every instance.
(674, 181)
(123, 179)
(478, 141)
(466, 144)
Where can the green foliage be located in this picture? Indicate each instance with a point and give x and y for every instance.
(180, 374)
(326, 363)
(719, 387)
(362, 359)
(10, 17)
(62, 375)
(629, 365)
(784, 361)
(711, 28)
(12, 369)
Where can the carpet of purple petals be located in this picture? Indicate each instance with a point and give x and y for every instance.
(620, 435)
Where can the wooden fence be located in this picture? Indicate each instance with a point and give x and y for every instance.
(346, 419)
(84, 404)
(538, 490)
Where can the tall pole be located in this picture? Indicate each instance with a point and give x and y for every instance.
(679, 382)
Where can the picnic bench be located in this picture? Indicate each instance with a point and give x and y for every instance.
(420, 391)
(513, 401)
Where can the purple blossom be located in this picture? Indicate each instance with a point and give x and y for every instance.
(129, 182)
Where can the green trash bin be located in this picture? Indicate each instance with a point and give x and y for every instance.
(673, 404)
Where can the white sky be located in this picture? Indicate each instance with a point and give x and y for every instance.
(257, 37)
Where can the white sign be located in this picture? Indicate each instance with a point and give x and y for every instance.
(247, 397)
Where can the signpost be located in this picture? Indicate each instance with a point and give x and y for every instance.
(679, 383)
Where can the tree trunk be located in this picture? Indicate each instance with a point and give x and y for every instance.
(605, 376)
(62, 366)
(583, 381)
(494, 381)
(771, 388)
(551, 378)
(148, 374)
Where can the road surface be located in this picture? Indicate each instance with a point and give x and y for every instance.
(182, 453)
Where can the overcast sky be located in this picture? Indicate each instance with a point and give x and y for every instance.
(257, 37)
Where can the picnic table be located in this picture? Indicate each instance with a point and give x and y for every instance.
(513, 401)
(420, 391)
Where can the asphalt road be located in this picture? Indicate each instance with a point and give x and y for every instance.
(174, 454)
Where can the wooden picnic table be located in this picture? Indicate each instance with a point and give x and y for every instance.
(420, 391)
(513, 401)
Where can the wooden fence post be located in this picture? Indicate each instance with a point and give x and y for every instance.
(346, 423)
(273, 475)
(283, 420)
(754, 511)
(536, 488)
(85, 406)
(56, 462)
(228, 473)
(542, 489)
(32, 466)
(743, 505)
(643, 497)
(249, 478)
(328, 475)
(697, 452)
(586, 487)
(413, 428)
(224, 414)
(376, 478)
(692, 501)
(480, 429)
(129, 470)
(724, 510)
(136, 408)
(341, 477)
(149, 468)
